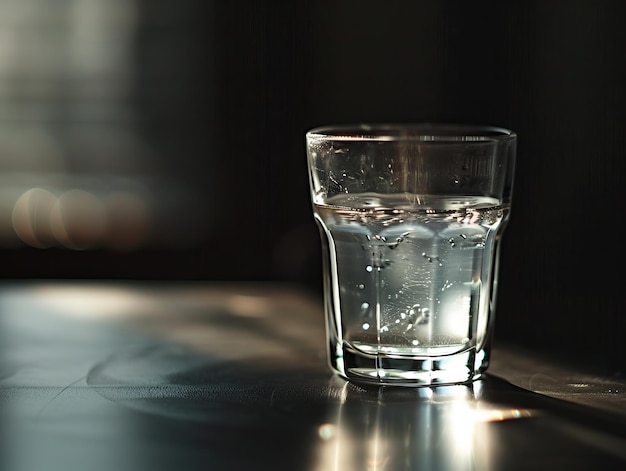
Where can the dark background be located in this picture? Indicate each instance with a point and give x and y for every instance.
(198, 109)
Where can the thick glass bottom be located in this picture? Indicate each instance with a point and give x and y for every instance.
(404, 370)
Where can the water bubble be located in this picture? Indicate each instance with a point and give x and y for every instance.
(365, 326)
(415, 342)
(369, 269)
(365, 306)
(427, 257)
(451, 242)
(361, 286)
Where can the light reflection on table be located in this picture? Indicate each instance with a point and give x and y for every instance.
(235, 377)
(405, 429)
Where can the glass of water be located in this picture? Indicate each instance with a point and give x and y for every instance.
(410, 217)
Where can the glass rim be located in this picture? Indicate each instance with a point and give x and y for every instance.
(423, 132)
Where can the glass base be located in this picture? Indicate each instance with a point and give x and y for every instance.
(381, 369)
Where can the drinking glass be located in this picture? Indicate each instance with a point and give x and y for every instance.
(410, 218)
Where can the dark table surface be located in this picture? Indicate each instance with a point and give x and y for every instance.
(106, 375)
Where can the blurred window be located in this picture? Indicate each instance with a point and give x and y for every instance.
(77, 168)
